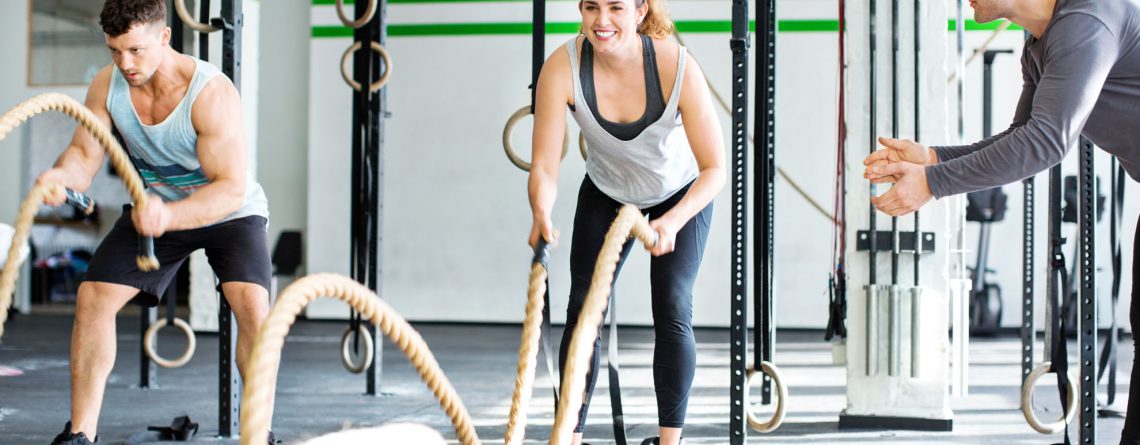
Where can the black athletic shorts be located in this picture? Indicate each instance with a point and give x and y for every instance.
(237, 251)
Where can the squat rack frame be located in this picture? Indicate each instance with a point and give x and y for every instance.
(764, 164)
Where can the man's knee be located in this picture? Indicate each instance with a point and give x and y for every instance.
(250, 302)
(101, 300)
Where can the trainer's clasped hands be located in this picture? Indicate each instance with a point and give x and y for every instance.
(903, 163)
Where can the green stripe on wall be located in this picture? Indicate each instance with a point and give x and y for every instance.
(519, 28)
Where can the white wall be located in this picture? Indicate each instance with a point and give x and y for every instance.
(283, 112)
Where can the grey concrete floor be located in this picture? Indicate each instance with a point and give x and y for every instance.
(316, 395)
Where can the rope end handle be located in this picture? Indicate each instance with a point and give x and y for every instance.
(541, 252)
(146, 260)
(80, 201)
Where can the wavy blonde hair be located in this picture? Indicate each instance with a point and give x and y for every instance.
(657, 23)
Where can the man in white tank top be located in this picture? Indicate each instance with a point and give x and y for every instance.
(181, 123)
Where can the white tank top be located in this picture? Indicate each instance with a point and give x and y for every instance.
(646, 170)
(166, 153)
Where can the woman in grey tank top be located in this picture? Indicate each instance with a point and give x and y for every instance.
(655, 142)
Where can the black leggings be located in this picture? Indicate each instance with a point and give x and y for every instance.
(1131, 433)
(671, 279)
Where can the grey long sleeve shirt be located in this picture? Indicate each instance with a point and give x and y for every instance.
(1081, 77)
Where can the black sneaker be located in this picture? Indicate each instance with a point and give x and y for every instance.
(273, 440)
(68, 438)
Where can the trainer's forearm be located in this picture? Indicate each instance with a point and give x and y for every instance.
(79, 168)
(207, 205)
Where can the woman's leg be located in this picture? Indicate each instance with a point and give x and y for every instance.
(594, 214)
(674, 359)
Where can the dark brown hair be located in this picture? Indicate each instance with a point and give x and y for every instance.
(119, 16)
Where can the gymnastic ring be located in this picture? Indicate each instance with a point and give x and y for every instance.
(510, 148)
(781, 398)
(1027, 401)
(379, 83)
(151, 338)
(346, 346)
(188, 20)
(356, 24)
(582, 145)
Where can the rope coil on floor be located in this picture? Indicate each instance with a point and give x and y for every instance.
(777, 419)
(629, 221)
(379, 83)
(357, 23)
(509, 147)
(1027, 401)
(346, 349)
(189, 20)
(266, 354)
(119, 161)
(150, 343)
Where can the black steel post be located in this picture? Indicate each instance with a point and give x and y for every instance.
(229, 394)
(1088, 299)
(147, 369)
(537, 46)
(738, 346)
(1027, 280)
(917, 124)
(367, 169)
(764, 258)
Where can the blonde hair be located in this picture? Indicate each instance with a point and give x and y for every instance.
(656, 23)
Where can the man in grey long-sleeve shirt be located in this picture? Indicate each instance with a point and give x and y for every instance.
(1081, 70)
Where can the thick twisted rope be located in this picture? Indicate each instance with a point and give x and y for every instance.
(628, 222)
(75, 110)
(119, 161)
(528, 354)
(266, 356)
(11, 270)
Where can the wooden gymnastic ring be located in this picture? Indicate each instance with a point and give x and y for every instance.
(360, 22)
(346, 346)
(781, 399)
(510, 147)
(150, 341)
(189, 20)
(1027, 401)
(379, 83)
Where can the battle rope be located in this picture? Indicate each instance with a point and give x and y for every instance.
(23, 228)
(119, 161)
(266, 356)
(628, 222)
(528, 350)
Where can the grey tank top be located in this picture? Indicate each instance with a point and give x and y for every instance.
(646, 170)
(654, 103)
(165, 154)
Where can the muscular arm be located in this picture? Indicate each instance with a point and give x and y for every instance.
(80, 161)
(1078, 59)
(1020, 116)
(217, 117)
(704, 132)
